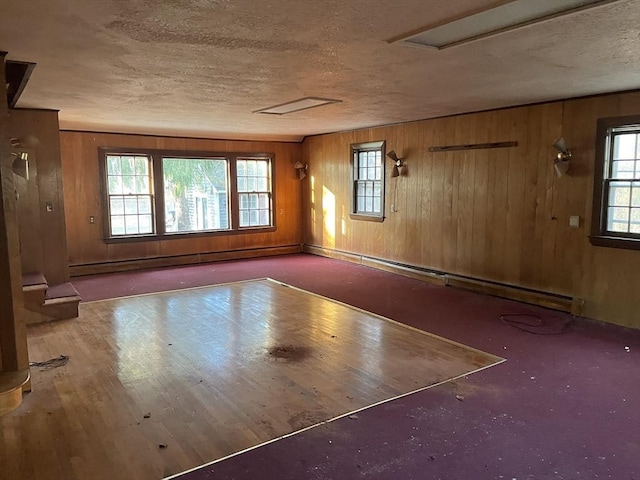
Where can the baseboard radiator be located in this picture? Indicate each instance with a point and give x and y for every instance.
(76, 270)
(554, 301)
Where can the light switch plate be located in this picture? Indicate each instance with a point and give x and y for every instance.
(574, 221)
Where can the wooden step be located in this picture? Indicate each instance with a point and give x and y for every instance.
(34, 287)
(60, 303)
(11, 384)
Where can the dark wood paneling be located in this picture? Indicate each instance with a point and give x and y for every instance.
(82, 195)
(42, 233)
(14, 355)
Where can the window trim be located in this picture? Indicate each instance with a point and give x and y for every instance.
(598, 236)
(156, 156)
(353, 213)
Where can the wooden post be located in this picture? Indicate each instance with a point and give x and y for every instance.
(14, 357)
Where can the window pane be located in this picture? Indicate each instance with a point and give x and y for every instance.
(128, 184)
(241, 168)
(360, 207)
(131, 224)
(635, 195)
(376, 205)
(363, 173)
(142, 185)
(634, 220)
(244, 218)
(142, 166)
(368, 204)
(253, 217)
(251, 184)
(242, 184)
(264, 200)
(117, 205)
(115, 185)
(262, 169)
(113, 165)
(117, 225)
(145, 224)
(144, 204)
(620, 194)
(253, 201)
(195, 191)
(618, 219)
(251, 168)
(131, 205)
(128, 166)
(624, 146)
(262, 184)
(264, 217)
(623, 169)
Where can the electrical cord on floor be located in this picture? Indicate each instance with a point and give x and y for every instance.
(537, 326)
(56, 362)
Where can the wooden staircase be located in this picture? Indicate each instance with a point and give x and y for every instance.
(44, 303)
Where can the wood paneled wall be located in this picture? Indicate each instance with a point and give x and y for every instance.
(14, 355)
(43, 238)
(80, 167)
(498, 214)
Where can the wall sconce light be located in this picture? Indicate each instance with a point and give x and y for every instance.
(20, 164)
(398, 163)
(561, 162)
(302, 169)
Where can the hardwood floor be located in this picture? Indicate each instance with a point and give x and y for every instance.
(158, 384)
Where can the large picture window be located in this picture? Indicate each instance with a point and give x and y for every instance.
(616, 220)
(158, 193)
(368, 181)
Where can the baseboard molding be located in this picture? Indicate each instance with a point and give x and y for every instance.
(78, 270)
(535, 297)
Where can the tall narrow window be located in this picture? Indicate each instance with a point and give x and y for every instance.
(254, 192)
(617, 183)
(129, 187)
(368, 181)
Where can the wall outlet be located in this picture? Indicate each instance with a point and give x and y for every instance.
(574, 221)
(92, 219)
(48, 206)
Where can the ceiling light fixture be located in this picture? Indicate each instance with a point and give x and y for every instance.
(297, 105)
(503, 18)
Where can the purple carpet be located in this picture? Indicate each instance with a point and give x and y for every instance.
(564, 406)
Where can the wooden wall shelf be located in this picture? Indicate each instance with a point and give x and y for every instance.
(474, 146)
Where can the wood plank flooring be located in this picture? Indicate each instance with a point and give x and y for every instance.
(215, 370)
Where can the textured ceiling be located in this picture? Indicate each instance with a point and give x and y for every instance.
(201, 67)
